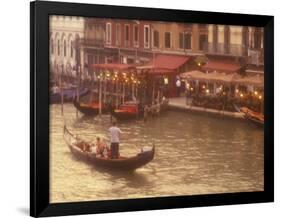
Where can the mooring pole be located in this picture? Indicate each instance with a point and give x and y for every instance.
(61, 93)
(100, 96)
(117, 94)
(123, 94)
(78, 88)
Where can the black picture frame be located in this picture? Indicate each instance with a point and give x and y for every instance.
(39, 108)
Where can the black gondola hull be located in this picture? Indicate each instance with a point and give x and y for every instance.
(88, 109)
(122, 163)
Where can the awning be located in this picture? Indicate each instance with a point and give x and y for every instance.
(113, 66)
(164, 64)
(208, 77)
(233, 78)
(257, 80)
(226, 67)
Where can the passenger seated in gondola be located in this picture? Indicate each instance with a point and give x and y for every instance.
(101, 148)
(85, 147)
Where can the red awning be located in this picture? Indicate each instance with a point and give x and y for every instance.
(171, 62)
(163, 64)
(226, 67)
(113, 66)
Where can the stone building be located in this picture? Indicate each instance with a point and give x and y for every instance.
(240, 44)
(135, 42)
(66, 51)
(178, 38)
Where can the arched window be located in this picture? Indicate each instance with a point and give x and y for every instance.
(52, 46)
(64, 48)
(71, 49)
(58, 47)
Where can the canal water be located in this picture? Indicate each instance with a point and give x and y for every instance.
(195, 154)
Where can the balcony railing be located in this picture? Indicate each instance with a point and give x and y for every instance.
(225, 49)
(255, 57)
(92, 42)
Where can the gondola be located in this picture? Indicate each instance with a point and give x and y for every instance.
(91, 109)
(252, 116)
(132, 110)
(122, 163)
(127, 111)
(68, 94)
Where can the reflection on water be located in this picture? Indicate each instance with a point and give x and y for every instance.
(195, 154)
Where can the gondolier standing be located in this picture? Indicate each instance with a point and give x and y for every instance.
(114, 133)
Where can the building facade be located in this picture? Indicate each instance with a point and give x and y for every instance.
(136, 42)
(66, 34)
(178, 38)
(239, 42)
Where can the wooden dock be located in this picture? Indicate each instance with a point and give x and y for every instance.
(180, 103)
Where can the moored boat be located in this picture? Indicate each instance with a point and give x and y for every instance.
(91, 109)
(254, 117)
(132, 110)
(126, 111)
(68, 94)
(122, 163)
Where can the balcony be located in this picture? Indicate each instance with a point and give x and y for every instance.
(92, 42)
(255, 57)
(225, 49)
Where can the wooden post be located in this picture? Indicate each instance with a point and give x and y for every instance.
(92, 92)
(61, 94)
(104, 96)
(123, 93)
(133, 93)
(158, 96)
(153, 90)
(78, 89)
(262, 104)
(116, 94)
(100, 96)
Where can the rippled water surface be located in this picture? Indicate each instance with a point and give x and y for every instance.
(195, 154)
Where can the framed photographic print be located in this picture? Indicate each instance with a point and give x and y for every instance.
(142, 109)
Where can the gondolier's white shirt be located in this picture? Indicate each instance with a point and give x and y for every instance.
(114, 133)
